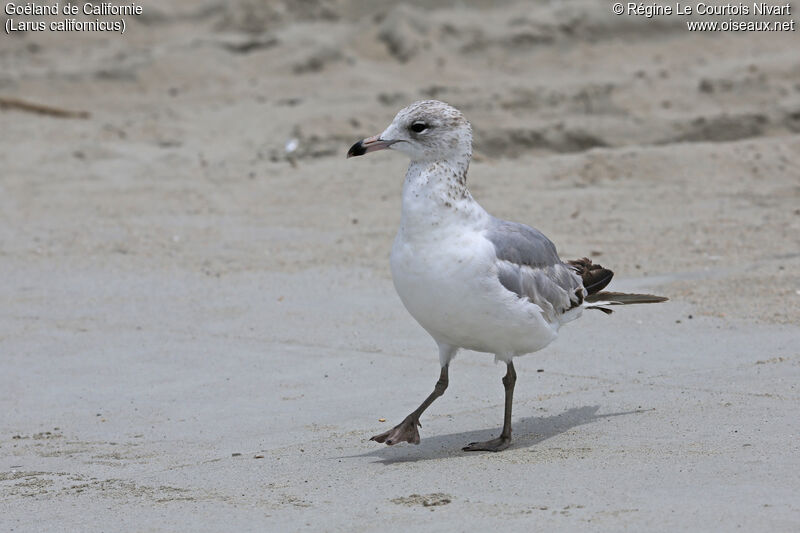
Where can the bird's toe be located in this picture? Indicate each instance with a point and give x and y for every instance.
(406, 431)
(494, 445)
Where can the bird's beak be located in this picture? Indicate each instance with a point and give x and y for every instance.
(370, 144)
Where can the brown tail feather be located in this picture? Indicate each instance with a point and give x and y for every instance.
(595, 278)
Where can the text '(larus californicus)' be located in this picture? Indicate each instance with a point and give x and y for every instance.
(471, 280)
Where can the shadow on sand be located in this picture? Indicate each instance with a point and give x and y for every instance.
(527, 432)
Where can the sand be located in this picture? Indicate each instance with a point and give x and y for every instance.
(199, 331)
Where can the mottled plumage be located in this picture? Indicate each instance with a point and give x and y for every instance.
(471, 280)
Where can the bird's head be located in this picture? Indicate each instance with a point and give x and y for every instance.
(428, 130)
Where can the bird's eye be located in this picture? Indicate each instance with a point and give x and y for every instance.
(419, 127)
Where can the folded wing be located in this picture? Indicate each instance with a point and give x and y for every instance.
(528, 265)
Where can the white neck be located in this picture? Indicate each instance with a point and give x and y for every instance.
(435, 196)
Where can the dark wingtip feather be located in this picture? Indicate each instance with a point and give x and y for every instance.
(595, 277)
(622, 298)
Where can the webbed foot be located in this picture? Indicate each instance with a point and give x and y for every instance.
(405, 431)
(494, 445)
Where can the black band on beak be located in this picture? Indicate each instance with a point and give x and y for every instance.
(357, 149)
(370, 144)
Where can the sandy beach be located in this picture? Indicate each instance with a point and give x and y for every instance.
(199, 330)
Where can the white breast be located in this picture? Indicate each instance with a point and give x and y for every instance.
(444, 270)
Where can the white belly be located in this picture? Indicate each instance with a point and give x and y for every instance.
(449, 285)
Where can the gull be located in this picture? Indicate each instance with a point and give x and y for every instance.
(471, 280)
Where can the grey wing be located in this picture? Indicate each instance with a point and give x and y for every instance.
(528, 265)
(521, 244)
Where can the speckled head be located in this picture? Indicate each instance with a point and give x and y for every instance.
(428, 130)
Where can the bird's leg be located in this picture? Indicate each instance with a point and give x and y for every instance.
(407, 429)
(501, 442)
